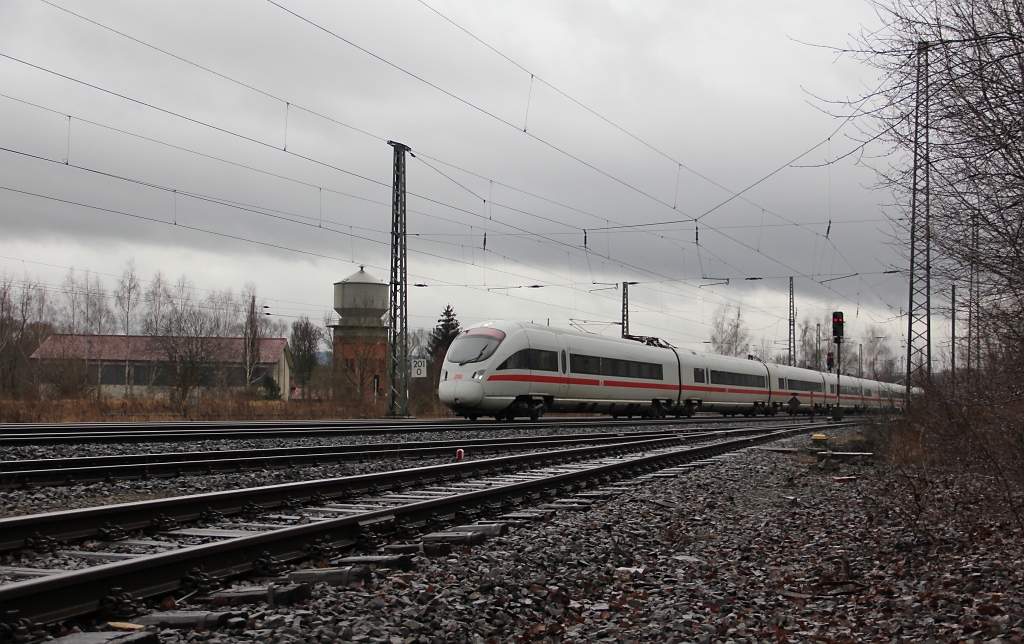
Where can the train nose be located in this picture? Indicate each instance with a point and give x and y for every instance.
(464, 393)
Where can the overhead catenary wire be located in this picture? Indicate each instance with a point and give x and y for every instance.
(348, 126)
(630, 134)
(261, 210)
(254, 241)
(370, 53)
(431, 200)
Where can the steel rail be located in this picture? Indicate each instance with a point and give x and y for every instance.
(88, 522)
(74, 593)
(165, 432)
(89, 469)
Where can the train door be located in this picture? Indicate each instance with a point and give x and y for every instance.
(544, 364)
(563, 367)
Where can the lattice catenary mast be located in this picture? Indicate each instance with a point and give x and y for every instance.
(398, 330)
(792, 326)
(625, 309)
(919, 333)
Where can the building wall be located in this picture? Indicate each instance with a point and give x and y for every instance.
(283, 373)
(152, 379)
(360, 353)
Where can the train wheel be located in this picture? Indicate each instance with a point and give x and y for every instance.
(534, 415)
(472, 417)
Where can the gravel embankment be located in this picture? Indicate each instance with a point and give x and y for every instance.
(758, 548)
(15, 502)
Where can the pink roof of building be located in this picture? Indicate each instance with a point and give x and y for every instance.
(145, 348)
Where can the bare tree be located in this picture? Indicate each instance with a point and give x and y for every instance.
(963, 61)
(71, 303)
(251, 333)
(729, 335)
(951, 102)
(127, 297)
(808, 353)
(157, 300)
(187, 339)
(879, 359)
(304, 343)
(7, 332)
(37, 319)
(365, 367)
(763, 351)
(98, 318)
(85, 310)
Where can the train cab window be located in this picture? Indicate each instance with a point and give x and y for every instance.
(868, 394)
(475, 345)
(563, 361)
(698, 375)
(782, 383)
(831, 389)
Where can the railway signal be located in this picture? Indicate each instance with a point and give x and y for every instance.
(830, 361)
(837, 326)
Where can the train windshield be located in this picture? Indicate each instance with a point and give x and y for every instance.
(475, 345)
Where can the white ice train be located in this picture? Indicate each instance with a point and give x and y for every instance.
(508, 369)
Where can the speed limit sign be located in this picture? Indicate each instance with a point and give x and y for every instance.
(419, 368)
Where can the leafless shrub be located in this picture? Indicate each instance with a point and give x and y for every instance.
(958, 65)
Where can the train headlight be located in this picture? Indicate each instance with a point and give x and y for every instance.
(479, 375)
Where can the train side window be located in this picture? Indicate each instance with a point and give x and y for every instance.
(698, 375)
(518, 360)
(831, 389)
(804, 385)
(541, 360)
(782, 383)
(563, 361)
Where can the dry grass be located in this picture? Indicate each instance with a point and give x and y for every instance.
(962, 432)
(210, 408)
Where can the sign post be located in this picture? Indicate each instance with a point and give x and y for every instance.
(419, 368)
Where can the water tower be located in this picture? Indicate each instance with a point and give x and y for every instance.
(360, 300)
(360, 339)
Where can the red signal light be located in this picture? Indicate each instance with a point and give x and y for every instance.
(837, 325)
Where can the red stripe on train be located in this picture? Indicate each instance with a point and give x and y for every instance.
(639, 385)
(555, 380)
(558, 380)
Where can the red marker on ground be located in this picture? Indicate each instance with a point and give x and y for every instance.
(458, 454)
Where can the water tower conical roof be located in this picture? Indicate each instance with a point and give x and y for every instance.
(360, 277)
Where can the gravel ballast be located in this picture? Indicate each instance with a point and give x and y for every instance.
(759, 547)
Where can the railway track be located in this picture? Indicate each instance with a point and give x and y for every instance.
(91, 469)
(50, 434)
(243, 531)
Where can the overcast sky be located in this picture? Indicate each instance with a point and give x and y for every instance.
(640, 118)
